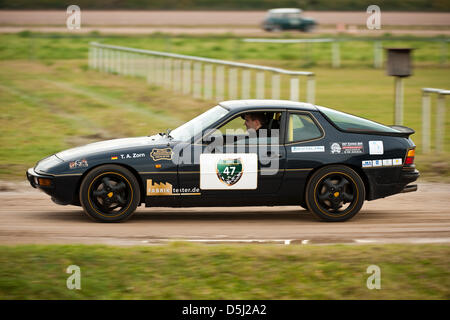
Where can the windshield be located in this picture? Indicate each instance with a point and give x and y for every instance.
(345, 121)
(194, 127)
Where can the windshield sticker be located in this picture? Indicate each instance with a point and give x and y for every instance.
(346, 147)
(376, 147)
(161, 154)
(78, 164)
(308, 149)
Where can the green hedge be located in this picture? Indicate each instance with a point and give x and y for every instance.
(339, 5)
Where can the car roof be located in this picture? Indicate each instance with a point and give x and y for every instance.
(285, 10)
(241, 105)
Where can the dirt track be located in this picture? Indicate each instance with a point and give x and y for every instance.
(30, 217)
(241, 23)
(209, 18)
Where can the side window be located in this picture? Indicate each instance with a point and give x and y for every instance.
(301, 127)
(236, 124)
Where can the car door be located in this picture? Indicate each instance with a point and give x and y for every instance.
(217, 165)
(305, 150)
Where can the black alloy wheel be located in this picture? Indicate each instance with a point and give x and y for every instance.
(109, 193)
(335, 193)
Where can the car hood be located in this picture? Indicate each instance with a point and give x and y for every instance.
(95, 148)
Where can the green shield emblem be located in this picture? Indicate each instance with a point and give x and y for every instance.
(229, 171)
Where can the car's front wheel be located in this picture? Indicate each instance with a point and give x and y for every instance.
(335, 193)
(109, 193)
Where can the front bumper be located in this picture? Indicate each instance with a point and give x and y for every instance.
(33, 178)
(62, 189)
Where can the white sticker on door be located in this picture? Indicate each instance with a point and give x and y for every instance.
(229, 171)
(376, 147)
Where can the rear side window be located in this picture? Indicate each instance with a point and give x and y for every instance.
(348, 122)
(302, 127)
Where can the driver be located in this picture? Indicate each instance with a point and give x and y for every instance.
(256, 121)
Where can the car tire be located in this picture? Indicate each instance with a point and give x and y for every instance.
(335, 193)
(109, 193)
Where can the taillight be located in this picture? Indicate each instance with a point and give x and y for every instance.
(410, 157)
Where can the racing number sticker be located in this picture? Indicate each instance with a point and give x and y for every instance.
(229, 171)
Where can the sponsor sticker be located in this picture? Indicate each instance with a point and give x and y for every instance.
(367, 163)
(114, 158)
(132, 155)
(397, 162)
(346, 147)
(376, 147)
(166, 189)
(387, 162)
(161, 154)
(223, 171)
(78, 164)
(229, 171)
(308, 149)
(377, 163)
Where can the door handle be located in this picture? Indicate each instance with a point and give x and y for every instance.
(274, 154)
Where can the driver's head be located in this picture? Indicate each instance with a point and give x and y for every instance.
(254, 120)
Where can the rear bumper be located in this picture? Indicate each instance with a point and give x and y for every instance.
(410, 188)
(401, 184)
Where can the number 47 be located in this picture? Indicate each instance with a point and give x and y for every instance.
(227, 170)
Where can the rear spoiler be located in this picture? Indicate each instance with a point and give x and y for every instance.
(404, 131)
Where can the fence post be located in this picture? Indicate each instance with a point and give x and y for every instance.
(246, 84)
(310, 91)
(377, 54)
(336, 54)
(168, 73)
(208, 82)
(187, 77)
(260, 87)
(426, 104)
(220, 81)
(398, 116)
(232, 83)
(275, 86)
(443, 52)
(440, 123)
(295, 84)
(150, 70)
(197, 80)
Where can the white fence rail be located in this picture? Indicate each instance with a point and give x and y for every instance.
(336, 50)
(202, 77)
(440, 118)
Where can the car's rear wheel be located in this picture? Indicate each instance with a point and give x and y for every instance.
(335, 193)
(109, 193)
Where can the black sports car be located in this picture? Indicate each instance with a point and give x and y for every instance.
(297, 154)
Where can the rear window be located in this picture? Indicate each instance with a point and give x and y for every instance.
(348, 122)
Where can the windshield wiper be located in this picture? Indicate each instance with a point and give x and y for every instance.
(167, 133)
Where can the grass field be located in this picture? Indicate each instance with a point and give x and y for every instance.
(188, 271)
(27, 45)
(52, 101)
